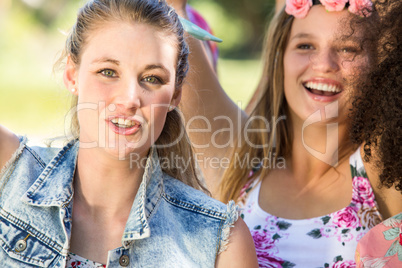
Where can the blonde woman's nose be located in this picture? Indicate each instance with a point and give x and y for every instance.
(129, 95)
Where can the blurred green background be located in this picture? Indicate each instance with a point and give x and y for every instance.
(33, 100)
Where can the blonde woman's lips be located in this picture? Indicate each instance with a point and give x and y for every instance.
(124, 125)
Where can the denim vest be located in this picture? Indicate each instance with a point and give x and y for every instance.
(170, 224)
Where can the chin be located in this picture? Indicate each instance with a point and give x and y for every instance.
(126, 150)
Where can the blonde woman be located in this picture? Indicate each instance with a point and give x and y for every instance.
(114, 197)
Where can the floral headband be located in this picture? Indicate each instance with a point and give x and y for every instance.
(300, 8)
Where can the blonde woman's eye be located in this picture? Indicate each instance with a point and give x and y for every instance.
(108, 73)
(152, 80)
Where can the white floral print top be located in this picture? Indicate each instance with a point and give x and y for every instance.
(75, 261)
(326, 241)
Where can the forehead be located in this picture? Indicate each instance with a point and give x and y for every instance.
(130, 43)
(320, 23)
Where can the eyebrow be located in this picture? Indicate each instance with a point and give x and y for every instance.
(105, 59)
(147, 68)
(301, 35)
(157, 66)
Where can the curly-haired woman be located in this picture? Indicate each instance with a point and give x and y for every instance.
(377, 124)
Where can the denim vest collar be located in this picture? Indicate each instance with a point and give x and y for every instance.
(54, 187)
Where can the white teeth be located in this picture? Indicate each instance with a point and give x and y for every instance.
(323, 87)
(120, 122)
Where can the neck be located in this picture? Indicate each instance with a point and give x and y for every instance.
(318, 148)
(105, 186)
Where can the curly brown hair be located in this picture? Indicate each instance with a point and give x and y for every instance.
(377, 110)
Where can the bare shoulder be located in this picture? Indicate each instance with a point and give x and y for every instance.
(389, 200)
(240, 251)
(9, 143)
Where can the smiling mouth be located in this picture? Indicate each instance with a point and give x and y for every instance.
(322, 89)
(123, 123)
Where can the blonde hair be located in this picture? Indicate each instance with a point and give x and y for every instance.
(272, 105)
(158, 14)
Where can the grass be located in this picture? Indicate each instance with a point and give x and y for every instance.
(34, 112)
(239, 78)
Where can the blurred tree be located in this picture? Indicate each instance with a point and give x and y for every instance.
(241, 23)
(45, 12)
(253, 17)
(256, 13)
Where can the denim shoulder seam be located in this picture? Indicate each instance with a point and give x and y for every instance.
(192, 207)
(232, 214)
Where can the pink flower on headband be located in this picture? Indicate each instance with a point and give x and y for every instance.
(334, 5)
(361, 7)
(298, 8)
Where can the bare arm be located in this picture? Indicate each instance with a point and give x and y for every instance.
(207, 110)
(241, 251)
(9, 143)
